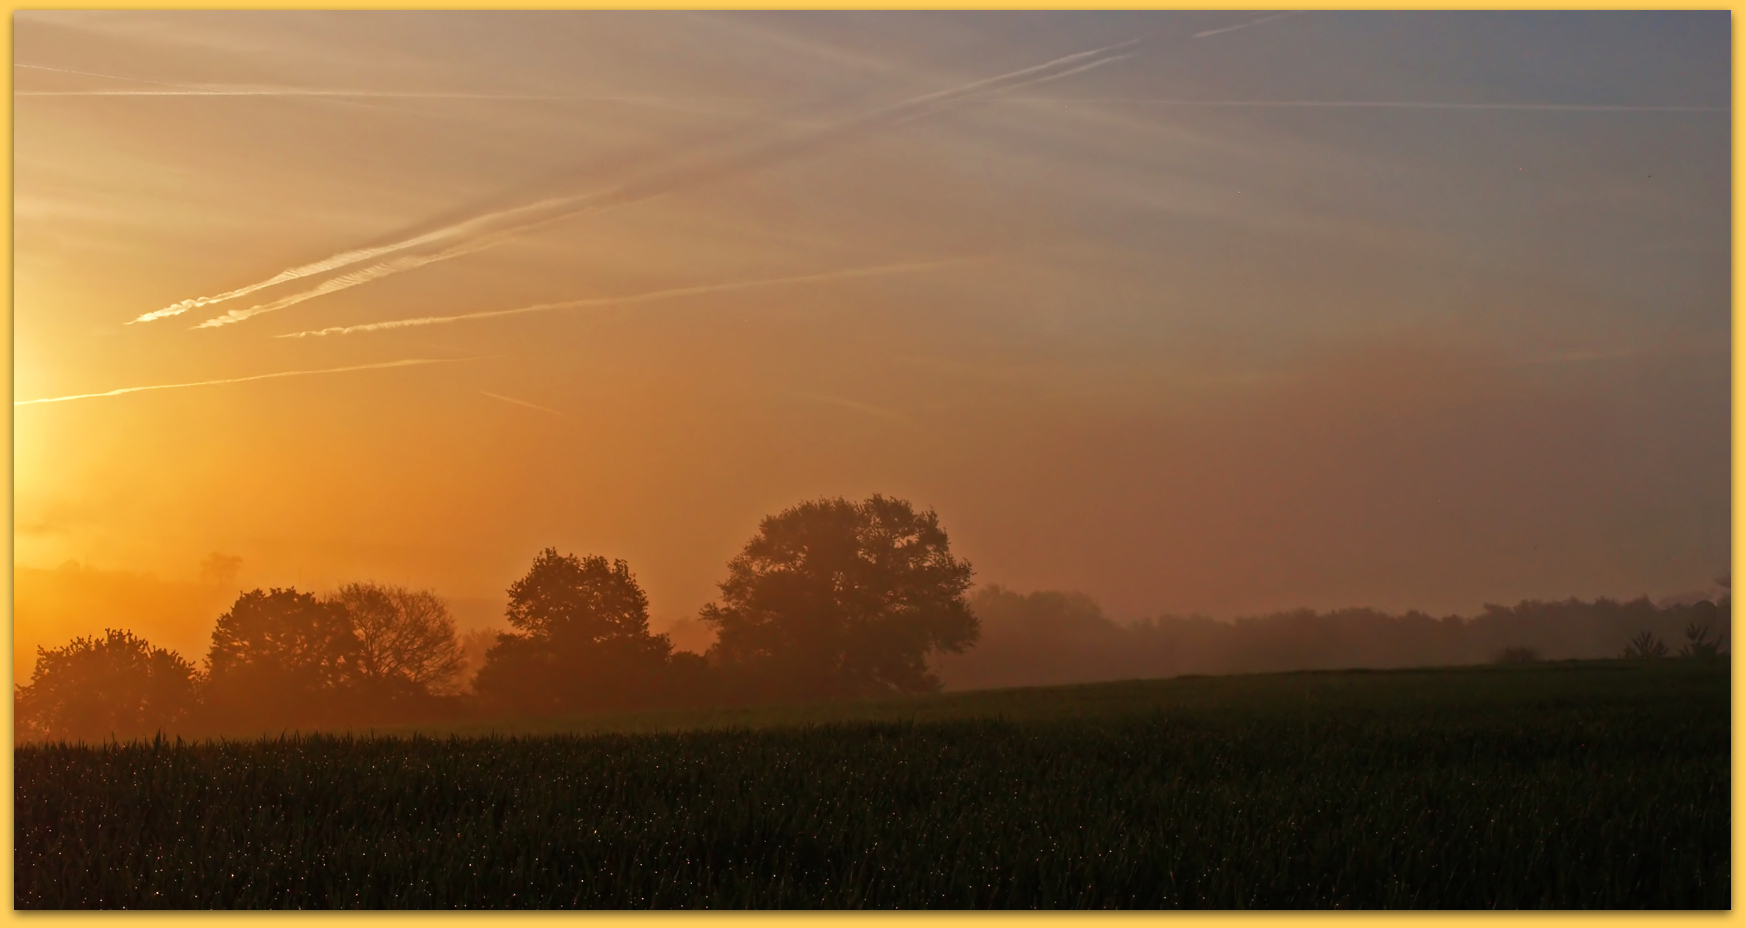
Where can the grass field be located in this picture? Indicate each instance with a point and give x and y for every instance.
(1571, 785)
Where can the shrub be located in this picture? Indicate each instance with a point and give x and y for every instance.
(94, 689)
(1644, 646)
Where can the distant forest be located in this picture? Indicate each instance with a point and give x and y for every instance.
(1052, 638)
(830, 600)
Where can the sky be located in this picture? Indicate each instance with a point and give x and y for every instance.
(1212, 313)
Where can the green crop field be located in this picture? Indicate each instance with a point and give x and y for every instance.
(1572, 785)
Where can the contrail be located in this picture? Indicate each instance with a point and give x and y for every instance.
(1390, 104)
(928, 104)
(511, 399)
(666, 179)
(1081, 68)
(245, 91)
(630, 300)
(386, 268)
(334, 285)
(251, 90)
(1252, 22)
(409, 362)
(112, 77)
(346, 258)
(995, 82)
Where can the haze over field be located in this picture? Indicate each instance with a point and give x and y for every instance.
(1193, 312)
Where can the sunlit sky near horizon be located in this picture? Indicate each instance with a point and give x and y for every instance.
(1209, 312)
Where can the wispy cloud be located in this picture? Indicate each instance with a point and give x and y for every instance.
(632, 299)
(476, 225)
(349, 280)
(409, 362)
(1387, 104)
(1007, 81)
(265, 91)
(183, 89)
(1066, 65)
(1090, 66)
(110, 77)
(511, 399)
(1245, 25)
(679, 173)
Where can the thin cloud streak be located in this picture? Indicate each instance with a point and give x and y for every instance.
(383, 94)
(347, 258)
(1252, 22)
(336, 284)
(1010, 78)
(409, 362)
(675, 176)
(1387, 104)
(927, 104)
(633, 299)
(1091, 66)
(511, 399)
(249, 90)
(387, 268)
(111, 77)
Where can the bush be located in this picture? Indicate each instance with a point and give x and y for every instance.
(94, 689)
(1645, 646)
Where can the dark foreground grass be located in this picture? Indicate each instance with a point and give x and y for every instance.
(1566, 786)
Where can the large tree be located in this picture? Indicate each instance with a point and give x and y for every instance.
(581, 640)
(117, 686)
(405, 638)
(834, 598)
(283, 633)
(277, 659)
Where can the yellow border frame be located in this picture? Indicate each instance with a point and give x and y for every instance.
(644, 919)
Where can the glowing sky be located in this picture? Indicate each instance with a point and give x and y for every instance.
(1188, 311)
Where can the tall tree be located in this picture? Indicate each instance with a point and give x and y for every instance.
(582, 639)
(405, 638)
(117, 686)
(277, 658)
(834, 598)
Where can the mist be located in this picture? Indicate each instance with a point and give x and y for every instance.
(1051, 638)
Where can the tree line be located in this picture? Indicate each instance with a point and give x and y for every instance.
(1050, 638)
(830, 599)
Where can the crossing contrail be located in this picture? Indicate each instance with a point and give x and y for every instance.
(1252, 22)
(409, 362)
(632, 299)
(685, 171)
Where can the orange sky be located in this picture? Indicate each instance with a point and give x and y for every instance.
(1222, 357)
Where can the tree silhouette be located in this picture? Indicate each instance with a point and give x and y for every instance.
(841, 599)
(1645, 646)
(405, 639)
(1697, 643)
(117, 686)
(582, 641)
(276, 659)
(283, 633)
